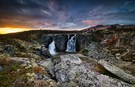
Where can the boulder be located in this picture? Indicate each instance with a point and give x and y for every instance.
(72, 72)
(118, 72)
(61, 42)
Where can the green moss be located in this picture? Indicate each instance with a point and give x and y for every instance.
(84, 52)
(10, 75)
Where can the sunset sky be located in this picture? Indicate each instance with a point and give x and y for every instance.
(64, 14)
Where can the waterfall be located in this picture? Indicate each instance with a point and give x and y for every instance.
(71, 44)
(52, 48)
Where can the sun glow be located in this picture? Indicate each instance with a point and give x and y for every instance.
(12, 30)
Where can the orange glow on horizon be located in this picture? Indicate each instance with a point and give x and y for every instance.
(12, 30)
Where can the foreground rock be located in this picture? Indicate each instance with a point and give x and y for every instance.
(71, 71)
(118, 72)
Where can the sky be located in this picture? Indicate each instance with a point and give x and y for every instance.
(64, 14)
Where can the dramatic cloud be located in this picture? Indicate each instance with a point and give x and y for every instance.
(65, 14)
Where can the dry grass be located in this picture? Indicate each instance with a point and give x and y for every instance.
(23, 54)
(128, 68)
(5, 60)
(43, 83)
(40, 70)
(99, 68)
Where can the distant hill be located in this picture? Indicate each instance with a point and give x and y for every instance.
(91, 29)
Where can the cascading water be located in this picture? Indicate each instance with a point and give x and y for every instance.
(71, 44)
(52, 48)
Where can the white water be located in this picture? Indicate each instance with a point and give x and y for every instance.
(52, 48)
(71, 44)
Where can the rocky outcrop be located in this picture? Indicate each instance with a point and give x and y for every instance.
(118, 72)
(42, 51)
(96, 51)
(83, 41)
(46, 39)
(72, 72)
(45, 52)
(61, 42)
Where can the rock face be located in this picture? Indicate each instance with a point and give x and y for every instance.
(83, 41)
(72, 72)
(61, 42)
(45, 52)
(46, 40)
(42, 51)
(95, 50)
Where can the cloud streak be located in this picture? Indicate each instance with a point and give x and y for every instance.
(65, 14)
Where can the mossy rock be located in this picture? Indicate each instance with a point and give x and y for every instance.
(84, 52)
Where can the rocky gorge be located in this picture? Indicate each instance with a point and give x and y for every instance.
(95, 57)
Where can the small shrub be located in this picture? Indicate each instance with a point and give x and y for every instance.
(4, 61)
(84, 52)
(40, 70)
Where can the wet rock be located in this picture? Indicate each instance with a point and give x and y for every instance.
(1, 68)
(42, 51)
(61, 42)
(45, 52)
(46, 39)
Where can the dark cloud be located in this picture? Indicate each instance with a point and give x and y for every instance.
(65, 13)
